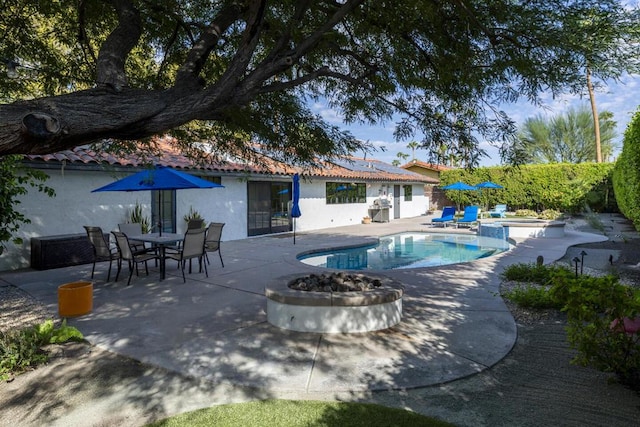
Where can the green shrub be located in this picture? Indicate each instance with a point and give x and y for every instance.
(594, 220)
(22, 349)
(137, 217)
(550, 214)
(592, 305)
(526, 213)
(532, 273)
(532, 297)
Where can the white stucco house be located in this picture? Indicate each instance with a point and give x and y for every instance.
(255, 200)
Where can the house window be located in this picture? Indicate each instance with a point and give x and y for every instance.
(342, 192)
(408, 192)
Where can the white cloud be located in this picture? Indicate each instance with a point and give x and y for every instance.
(328, 114)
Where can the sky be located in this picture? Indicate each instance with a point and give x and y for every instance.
(621, 98)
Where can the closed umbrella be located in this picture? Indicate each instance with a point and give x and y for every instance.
(295, 208)
(158, 178)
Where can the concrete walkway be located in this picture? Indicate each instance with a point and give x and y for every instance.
(454, 323)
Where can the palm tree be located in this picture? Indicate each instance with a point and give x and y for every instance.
(402, 156)
(594, 111)
(567, 137)
(413, 145)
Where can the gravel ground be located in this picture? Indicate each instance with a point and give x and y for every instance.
(535, 385)
(19, 310)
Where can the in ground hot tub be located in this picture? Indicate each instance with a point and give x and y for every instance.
(522, 228)
(334, 311)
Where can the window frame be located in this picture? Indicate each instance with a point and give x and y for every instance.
(341, 193)
(408, 196)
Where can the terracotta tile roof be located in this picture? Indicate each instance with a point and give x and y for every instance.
(349, 168)
(426, 165)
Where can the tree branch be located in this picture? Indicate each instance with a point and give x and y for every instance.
(116, 48)
(321, 72)
(197, 57)
(282, 61)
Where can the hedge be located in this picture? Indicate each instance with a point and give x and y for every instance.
(560, 186)
(626, 174)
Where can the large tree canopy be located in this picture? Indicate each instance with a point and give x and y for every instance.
(239, 71)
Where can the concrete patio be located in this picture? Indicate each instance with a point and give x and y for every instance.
(454, 323)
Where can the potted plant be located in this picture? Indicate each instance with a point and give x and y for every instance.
(194, 217)
(366, 220)
(136, 217)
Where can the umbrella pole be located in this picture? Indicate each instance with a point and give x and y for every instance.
(294, 231)
(160, 212)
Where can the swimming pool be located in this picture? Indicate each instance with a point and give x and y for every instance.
(408, 250)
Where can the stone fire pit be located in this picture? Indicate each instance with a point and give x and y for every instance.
(336, 302)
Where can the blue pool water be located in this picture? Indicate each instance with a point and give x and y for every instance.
(409, 250)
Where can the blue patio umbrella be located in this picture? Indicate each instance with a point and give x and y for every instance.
(459, 186)
(158, 178)
(490, 185)
(295, 208)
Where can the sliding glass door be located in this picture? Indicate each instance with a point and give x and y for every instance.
(268, 207)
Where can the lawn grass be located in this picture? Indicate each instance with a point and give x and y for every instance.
(290, 413)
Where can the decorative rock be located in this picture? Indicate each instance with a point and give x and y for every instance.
(335, 282)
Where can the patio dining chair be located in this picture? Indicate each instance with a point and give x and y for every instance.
(101, 249)
(192, 247)
(132, 229)
(212, 242)
(133, 257)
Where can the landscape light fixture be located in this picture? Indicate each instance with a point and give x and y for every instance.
(577, 261)
(582, 254)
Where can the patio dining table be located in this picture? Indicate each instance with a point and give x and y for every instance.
(161, 242)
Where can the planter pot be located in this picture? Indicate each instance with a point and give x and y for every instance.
(75, 299)
(366, 220)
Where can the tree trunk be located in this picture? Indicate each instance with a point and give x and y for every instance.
(596, 119)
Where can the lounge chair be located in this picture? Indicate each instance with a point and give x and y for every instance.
(448, 215)
(499, 211)
(470, 216)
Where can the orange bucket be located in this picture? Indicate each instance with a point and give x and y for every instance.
(75, 299)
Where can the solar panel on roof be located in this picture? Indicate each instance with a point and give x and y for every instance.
(355, 165)
(385, 167)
